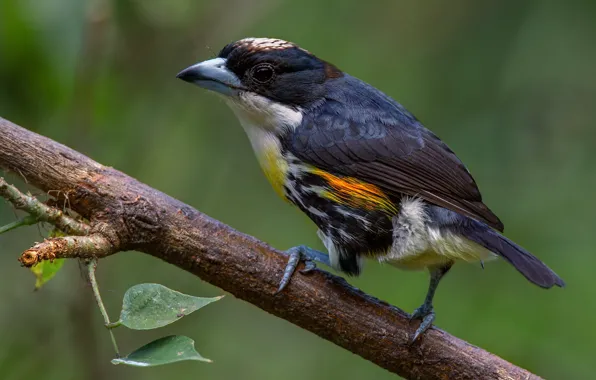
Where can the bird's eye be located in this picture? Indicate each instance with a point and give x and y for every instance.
(262, 73)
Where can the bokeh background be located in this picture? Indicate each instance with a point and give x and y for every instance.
(509, 85)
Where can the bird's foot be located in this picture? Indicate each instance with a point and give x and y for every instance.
(305, 254)
(426, 314)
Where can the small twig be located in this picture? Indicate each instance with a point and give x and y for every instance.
(92, 246)
(26, 221)
(41, 211)
(92, 266)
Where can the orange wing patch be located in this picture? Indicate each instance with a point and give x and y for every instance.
(352, 192)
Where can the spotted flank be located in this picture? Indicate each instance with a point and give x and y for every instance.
(354, 219)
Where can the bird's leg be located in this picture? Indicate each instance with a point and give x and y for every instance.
(426, 311)
(301, 253)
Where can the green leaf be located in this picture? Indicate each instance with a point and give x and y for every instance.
(170, 349)
(45, 271)
(149, 306)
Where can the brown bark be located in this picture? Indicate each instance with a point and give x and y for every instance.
(133, 216)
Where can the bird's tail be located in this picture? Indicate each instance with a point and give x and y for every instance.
(527, 264)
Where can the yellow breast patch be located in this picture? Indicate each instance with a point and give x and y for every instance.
(275, 169)
(352, 192)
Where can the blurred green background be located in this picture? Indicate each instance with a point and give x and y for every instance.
(509, 85)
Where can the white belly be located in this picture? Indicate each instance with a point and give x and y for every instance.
(416, 245)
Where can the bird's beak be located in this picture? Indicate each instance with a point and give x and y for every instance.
(212, 75)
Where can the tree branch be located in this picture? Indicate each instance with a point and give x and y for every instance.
(42, 212)
(125, 214)
(68, 247)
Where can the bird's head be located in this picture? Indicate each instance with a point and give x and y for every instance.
(262, 76)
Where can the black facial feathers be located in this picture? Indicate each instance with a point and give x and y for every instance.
(279, 70)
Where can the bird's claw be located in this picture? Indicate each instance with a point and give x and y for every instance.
(297, 254)
(309, 265)
(427, 316)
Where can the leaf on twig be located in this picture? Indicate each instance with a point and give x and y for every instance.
(149, 306)
(45, 271)
(169, 349)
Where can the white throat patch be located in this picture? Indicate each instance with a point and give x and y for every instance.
(264, 121)
(254, 110)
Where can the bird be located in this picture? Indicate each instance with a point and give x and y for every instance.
(373, 179)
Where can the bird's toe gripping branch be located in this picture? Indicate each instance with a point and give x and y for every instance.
(426, 314)
(82, 244)
(305, 254)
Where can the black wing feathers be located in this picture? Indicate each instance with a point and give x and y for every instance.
(388, 148)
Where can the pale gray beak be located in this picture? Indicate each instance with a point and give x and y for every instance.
(212, 75)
